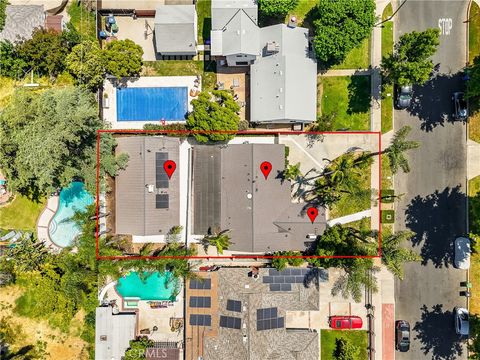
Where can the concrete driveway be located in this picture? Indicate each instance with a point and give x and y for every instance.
(434, 205)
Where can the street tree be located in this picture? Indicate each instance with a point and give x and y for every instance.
(410, 61)
(214, 116)
(394, 255)
(86, 64)
(345, 349)
(340, 26)
(123, 58)
(473, 88)
(220, 240)
(396, 151)
(276, 8)
(292, 172)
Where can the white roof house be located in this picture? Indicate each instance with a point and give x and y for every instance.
(235, 32)
(176, 30)
(113, 333)
(283, 81)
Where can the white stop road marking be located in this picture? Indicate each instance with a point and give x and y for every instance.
(445, 25)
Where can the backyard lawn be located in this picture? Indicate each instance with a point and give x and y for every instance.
(204, 20)
(301, 10)
(357, 58)
(474, 32)
(183, 68)
(83, 20)
(358, 338)
(348, 97)
(20, 214)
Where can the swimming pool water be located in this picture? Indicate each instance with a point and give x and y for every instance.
(155, 286)
(152, 104)
(63, 229)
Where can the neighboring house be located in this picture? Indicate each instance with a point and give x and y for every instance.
(176, 30)
(283, 80)
(146, 201)
(113, 333)
(235, 32)
(21, 21)
(275, 315)
(230, 192)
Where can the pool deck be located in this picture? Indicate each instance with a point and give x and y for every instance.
(110, 111)
(44, 220)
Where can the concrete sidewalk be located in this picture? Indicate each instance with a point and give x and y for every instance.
(473, 159)
(350, 218)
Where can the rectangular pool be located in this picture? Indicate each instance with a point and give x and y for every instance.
(152, 103)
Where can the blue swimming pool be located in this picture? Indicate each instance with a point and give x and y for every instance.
(62, 229)
(153, 286)
(152, 104)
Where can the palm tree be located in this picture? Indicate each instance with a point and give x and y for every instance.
(358, 276)
(397, 148)
(394, 256)
(220, 240)
(292, 172)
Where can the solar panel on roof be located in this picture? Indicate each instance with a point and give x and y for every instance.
(161, 201)
(201, 284)
(285, 272)
(274, 287)
(200, 320)
(200, 301)
(234, 305)
(267, 279)
(230, 322)
(285, 287)
(161, 177)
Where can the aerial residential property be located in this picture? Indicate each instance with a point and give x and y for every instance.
(239, 179)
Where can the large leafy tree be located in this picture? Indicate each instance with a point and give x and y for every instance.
(410, 62)
(213, 115)
(345, 349)
(48, 138)
(123, 58)
(45, 52)
(473, 89)
(12, 65)
(86, 64)
(394, 255)
(3, 15)
(276, 8)
(341, 25)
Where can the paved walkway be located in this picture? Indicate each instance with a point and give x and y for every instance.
(350, 218)
(473, 159)
(43, 223)
(347, 72)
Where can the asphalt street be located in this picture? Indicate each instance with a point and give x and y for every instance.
(434, 204)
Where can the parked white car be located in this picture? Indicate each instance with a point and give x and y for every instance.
(462, 253)
(462, 324)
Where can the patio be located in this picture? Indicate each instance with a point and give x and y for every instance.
(238, 80)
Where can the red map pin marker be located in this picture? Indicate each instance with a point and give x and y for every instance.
(169, 166)
(265, 167)
(312, 213)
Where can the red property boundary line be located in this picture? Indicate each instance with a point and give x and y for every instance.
(244, 132)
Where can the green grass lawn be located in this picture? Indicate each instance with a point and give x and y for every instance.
(474, 32)
(358, 337)
(204, 22)
(206, 69)
(362, 224)
(83, 20)
(348, 97)
(357, 58)
(474, 191)
(387, 176)
(387, 48)
(20, 214)
(301, 10)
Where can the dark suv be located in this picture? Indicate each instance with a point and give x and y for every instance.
(460, 106)
(402, 335)
(404, 96)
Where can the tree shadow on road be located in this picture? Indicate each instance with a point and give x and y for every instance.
(432, 102)
(437, 219)
(436, 333)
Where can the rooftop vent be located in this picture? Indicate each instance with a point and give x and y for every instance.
(272, 47)
(292, 23)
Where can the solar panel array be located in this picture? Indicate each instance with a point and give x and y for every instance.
(280, 287)
(200, 301)
(283, 280)
(201, 284)
(234, 305)
(230, 322)
(161, 176)
(200, 320)
(268, 319)
(161, 201)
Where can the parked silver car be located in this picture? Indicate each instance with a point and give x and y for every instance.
(462, 253)
(462, 322)
(404, 97)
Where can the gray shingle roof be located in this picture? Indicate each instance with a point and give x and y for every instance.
(135, 206)
(268, 221)
(176, 29)
(21, 21)
(284, 84)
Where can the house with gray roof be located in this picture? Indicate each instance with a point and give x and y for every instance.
(235, 32)
(146, 200)
(176, 30)
(113, 332)
(283, 80)
(230, 192)
(21, 21)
